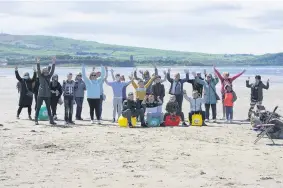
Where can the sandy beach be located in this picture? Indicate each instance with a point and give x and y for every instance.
(85, 155)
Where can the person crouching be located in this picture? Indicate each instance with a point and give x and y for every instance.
(195, 103)
(172, 108)
(229, 99)
(133, 108)
(68, 93)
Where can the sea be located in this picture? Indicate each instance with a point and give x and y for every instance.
(251, 71)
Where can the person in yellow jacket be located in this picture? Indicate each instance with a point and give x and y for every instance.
(140, 88)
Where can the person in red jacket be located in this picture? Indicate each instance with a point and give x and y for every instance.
(226, 80)
(229, 99)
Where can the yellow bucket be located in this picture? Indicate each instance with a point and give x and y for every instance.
(196, 120)
(123, 122)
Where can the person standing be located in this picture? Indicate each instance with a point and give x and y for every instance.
(44, 93)
(80, 88)
(256, 92)
(26, 96)
(93, 88)
(210, 94)
(176, 87)
(196, 86)
(56, 92)
(69, 98)
(229, 98)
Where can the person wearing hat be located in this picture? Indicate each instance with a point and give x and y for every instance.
(225, 79)
(80, 88)
(69, 98)
(44, 93)
(26, 96)
(132, 108)
(256, 92)
(56, 92)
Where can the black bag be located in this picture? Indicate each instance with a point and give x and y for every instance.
(29, 93)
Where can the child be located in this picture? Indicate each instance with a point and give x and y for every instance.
(150, 104)
(69, 97)
(132, 108)
(172, 108)
(195, 103)
(229, 99)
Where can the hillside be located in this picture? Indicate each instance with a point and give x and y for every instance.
(15, 49)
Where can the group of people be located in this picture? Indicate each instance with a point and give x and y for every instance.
(148, 98)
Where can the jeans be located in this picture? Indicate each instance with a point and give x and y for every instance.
(229, 112)
(94, 104)
(129, 114)
(196, 112)
(68, 104)
(39, 104)
(179, 99)
(213, 108)
(20, 110)
(79, 102)
(117, 107)
(54, 103)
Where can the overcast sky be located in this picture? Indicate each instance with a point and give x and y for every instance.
(195, 26)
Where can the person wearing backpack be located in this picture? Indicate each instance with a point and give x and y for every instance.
(226, 80)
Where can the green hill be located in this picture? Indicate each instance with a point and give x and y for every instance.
(21, 49)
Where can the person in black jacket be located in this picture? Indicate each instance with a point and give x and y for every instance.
(26, 95)
(158, 89)
(176, 87)
(133, 108)
(56, 92)
(195, 85)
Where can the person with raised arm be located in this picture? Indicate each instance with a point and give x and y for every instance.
(146, 78)
(93, 90)
(176, 87)
(210, 94)
(256, 92)
(196, 86)
(225, 79)
(26, 96)
(44, 92)
(117, 87)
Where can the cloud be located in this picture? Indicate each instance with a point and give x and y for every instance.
(272, 19)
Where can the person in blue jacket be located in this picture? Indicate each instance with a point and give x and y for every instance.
(93, 89)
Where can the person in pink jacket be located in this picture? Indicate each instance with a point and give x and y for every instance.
(226, 80)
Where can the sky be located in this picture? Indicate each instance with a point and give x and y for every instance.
(234, 27)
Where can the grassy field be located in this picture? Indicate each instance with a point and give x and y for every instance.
(19, 47)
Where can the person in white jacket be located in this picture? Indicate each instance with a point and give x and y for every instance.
(196, 105)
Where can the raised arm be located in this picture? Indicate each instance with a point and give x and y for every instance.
(238, 75)
(265, 86)
(218, 74)
(168, 76)
(150, 81)
(85, 78)
(187, 97)
(248, 85)
(106, 73)
(52, 67)
(136, 76)
(38, 67)
(164, 79)
(34, 76)
(17, 75)
(112, 74)
(187, 77)
(200, 81)
(103, 75)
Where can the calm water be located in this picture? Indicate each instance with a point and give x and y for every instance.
(250, 71)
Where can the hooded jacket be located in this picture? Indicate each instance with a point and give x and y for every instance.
(257, 90)
(158, 89)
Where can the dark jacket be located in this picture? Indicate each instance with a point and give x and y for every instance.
(44, 89)
(256, 90)
(196, 86)
(179, 84)
(131, 104)
(26, 86)
(55, 86)
(68, 88)
(80, 88)
(158, 90)
(36, 86)
(172, 107)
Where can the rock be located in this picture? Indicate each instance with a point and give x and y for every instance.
(202, 173)
(1, 125)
